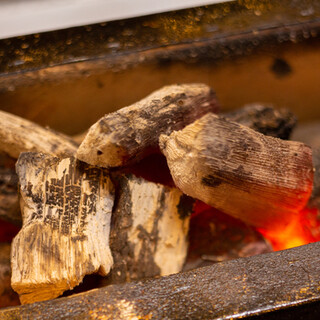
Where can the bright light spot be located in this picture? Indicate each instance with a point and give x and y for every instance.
(302, 230)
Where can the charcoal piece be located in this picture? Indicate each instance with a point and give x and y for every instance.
(66, 207)
(261, 180)
(20, 135)
(132, 132)
(149, 229)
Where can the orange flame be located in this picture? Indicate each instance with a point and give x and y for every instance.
(302, 230)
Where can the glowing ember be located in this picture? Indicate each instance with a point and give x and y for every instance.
(302, 230)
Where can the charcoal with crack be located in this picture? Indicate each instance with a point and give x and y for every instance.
(149, 229)
(128, 134)
(261, 180)
(262, 118)
(21, 135)
(66, 207)
(143, 245)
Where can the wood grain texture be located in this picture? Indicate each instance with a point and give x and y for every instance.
(20, 135)
(149, 230)
(262, 118)
(126, 135)
(66, 207)
(258, 179)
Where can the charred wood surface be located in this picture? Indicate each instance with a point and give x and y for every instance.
(20, 135)
(131, 132)
(265, 119)
(261, 180)
(9, 202)
(66, 207)
(232, 289)
(149, 230)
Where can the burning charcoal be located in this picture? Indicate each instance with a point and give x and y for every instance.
(20, 135)
(130, 133)
(265, 119)
(7, 296)
(149, 230)
(215, 237)
(66, 207)
(261, 180)
(9, 202)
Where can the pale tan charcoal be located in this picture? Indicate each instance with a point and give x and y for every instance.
(66, 208)
(20, 135)
(261, 180)
(149, 230)
(128, 134)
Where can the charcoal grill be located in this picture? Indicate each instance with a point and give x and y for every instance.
(248, 51)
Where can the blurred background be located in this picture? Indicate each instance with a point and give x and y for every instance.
(247, 50)
(21, 17)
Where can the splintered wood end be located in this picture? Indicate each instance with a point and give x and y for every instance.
(66, 207)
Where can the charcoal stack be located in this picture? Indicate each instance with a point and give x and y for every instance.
(99, 207)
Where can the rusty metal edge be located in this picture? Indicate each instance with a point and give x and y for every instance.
(130, 37)
(229, 290)
(214, 49)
